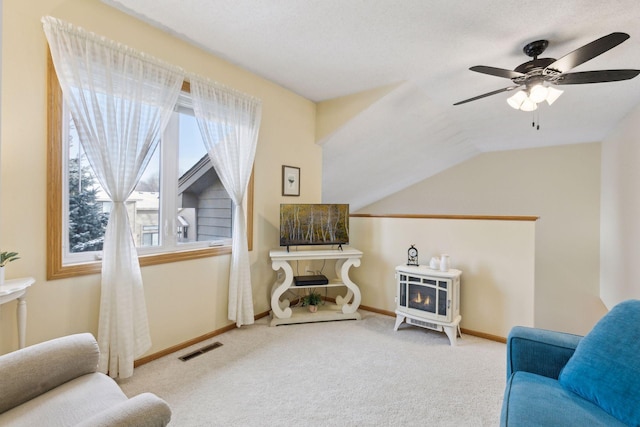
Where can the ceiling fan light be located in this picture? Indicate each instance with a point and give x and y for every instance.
(538, 93)
(528, 105)
(553, 94)
(517, 99)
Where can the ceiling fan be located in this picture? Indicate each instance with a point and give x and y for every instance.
(538, 76)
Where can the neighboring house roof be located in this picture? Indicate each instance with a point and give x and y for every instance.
(191, 180)
(183, 222)
(145, 200)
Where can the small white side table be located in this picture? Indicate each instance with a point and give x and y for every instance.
(17, 289)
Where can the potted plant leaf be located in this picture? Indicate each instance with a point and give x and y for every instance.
(312, 300)
(6, 258)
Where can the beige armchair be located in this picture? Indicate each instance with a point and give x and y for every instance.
(55, 383)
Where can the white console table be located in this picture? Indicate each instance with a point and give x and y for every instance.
(17, 289)
(283, 314)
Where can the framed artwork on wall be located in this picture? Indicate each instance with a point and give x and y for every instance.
(290, 181)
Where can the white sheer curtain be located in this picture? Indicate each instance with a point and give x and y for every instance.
(229, 122)
(120, 101)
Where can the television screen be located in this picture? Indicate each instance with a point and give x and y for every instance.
(314, 224)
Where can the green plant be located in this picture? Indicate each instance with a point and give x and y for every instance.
(7, 257)
(313, 298)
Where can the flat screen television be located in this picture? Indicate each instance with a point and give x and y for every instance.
(314, 224)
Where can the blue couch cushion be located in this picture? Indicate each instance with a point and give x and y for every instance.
(605, 368)
(532, 400)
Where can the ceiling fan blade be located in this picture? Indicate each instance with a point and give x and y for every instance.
(506, 89)
(499, 72)
(587, 52)
(596, 77)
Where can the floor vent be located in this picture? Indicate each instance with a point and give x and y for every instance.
(200, 351)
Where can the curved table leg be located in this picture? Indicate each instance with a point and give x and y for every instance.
(353, 292)
(279, 308)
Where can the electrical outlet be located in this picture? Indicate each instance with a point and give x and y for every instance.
(308, 270)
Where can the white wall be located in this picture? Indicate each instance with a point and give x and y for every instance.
(561, 185)
(496, 259)
(620, 215)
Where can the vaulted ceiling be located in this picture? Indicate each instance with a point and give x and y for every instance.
(325, 49)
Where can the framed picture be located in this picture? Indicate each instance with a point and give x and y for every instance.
(290, 181)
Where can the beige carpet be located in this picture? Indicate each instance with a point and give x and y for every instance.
(347, 373)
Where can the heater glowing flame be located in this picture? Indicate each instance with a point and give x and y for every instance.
(420, 300)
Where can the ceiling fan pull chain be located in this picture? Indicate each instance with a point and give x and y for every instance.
(533, 122)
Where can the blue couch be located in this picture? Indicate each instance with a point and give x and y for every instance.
(559, 379)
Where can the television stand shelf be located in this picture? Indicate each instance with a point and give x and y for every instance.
(282, 314)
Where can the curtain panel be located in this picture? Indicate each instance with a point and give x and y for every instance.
(229, 122)
(120, 101)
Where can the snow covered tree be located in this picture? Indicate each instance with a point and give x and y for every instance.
(87, 222)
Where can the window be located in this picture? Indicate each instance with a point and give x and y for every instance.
(179, 209)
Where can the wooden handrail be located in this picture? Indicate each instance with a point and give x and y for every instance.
(439, 216)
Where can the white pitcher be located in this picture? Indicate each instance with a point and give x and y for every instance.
(434, 264)
(444, 262)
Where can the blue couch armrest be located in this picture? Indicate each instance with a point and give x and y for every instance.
(539, 351)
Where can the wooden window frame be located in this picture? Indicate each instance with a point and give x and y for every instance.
(55, 267)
